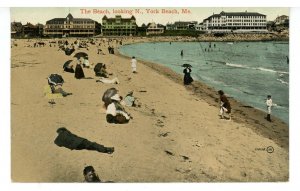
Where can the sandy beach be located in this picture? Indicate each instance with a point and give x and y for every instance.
(175, 136)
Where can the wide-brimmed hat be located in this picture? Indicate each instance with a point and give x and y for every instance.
(116, 97)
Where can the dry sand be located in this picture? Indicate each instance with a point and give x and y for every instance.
(175, 136)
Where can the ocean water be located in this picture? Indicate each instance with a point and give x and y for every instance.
(246, 71)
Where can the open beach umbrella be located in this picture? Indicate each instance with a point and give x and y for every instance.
(66, 64)
(186, 65)
(69, 51)
(55, 79)
(80, 54)
(108, 94)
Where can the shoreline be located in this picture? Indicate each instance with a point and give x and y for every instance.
(241, 113)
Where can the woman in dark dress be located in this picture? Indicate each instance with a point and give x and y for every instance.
(79, 71)
(187, 76)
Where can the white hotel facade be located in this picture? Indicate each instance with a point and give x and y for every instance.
(236, 22)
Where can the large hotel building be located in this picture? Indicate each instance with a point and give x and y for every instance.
(235, 22)
(70, 26)
(119, 26)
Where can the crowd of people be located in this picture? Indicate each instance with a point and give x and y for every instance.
(114, 103)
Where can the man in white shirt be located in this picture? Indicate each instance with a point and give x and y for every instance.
(133, 64)
(269, 104)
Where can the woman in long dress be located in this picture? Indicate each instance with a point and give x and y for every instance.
(187, 76)
(79, 71)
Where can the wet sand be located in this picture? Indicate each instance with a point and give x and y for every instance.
(175, 136)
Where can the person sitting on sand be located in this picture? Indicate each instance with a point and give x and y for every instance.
(224, 105)
(67, 139)
(58, 89)
(100, 70)
(86, 63)
(90, 174)
(108, 81)
(129, 100)
(115, 113)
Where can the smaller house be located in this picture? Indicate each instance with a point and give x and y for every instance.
(154, 29)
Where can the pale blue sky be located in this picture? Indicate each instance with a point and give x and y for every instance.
(41, 15)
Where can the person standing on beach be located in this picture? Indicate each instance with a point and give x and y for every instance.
(269, 104)
(224, 105)
(78, 70)
(187, 79)
(133, 64)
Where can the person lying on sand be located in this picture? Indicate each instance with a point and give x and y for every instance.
(67, 139)
(108, 81)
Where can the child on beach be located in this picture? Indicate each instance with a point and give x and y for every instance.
(269, 104)
(133, 64)
(224, 105)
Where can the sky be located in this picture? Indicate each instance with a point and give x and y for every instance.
(41, 15)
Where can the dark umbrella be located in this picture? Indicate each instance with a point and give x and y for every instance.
(186, 65)
(80, 54)
(67, 67)
(55, 79)
(108, 94)
(66, 64)
(69, 51)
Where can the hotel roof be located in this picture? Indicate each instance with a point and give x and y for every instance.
(118, 16)
(59, 20)
(235, 14)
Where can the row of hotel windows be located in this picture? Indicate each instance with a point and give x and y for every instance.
(239, 24)
(74, 26)
(70, 30)
(118, 27)
(118, 24)
(246, 17)
(238, 20)
(75, 22)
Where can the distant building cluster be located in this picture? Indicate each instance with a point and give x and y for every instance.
(224, 22)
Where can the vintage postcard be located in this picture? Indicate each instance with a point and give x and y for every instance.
(138, 94)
